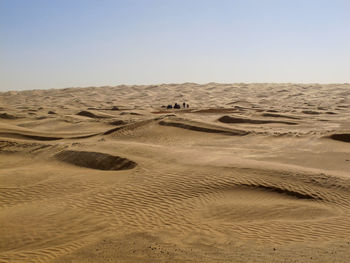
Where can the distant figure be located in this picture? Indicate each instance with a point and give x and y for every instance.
(176, 106)
(184, 104)
(169, 106)
(188, 105)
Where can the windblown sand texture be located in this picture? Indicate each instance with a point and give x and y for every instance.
(248, 173)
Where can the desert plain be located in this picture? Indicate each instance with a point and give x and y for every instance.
(246, 173)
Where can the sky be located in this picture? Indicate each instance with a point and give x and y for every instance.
(76, 43)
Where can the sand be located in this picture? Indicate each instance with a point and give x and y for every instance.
(247, 173)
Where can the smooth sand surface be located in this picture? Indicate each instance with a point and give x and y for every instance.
(247, 173)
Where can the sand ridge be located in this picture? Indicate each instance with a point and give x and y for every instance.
(248, 173)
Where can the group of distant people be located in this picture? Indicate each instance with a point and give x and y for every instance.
(177, 106)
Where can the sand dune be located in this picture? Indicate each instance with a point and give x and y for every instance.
(248, 173)
(230, 119)
(94, 115)
(274, 115)
(7, 116)
(343, 137)
(95, 160)
(118, 122)
(40, 135)
(201, 127)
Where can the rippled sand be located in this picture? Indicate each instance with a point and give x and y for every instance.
(247, 173)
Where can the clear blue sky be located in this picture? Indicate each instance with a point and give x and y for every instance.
(64, 43)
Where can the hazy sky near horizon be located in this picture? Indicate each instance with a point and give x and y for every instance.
(68, 43)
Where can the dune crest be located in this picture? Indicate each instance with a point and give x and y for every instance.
(202, 128)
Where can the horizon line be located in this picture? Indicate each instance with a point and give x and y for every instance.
(180, 83)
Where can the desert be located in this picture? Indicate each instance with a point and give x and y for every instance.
(247, 173)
